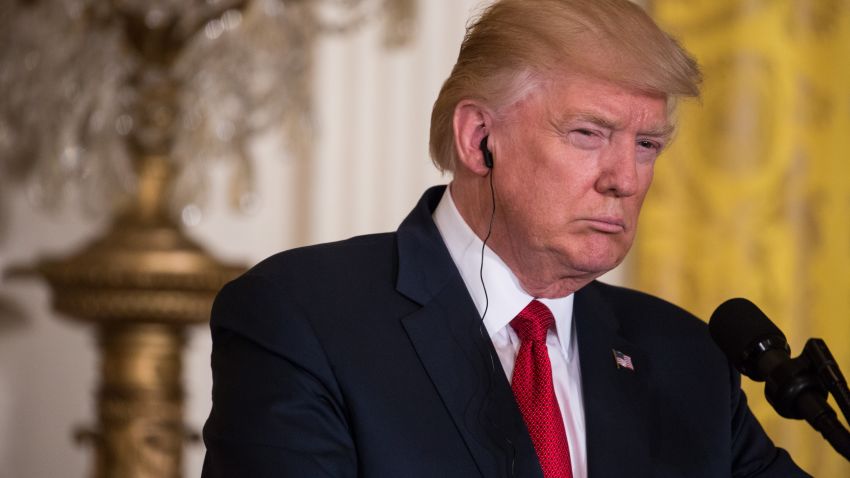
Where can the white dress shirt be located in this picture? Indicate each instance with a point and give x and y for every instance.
(506, 299)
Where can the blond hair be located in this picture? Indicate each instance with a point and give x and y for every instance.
(515, 44)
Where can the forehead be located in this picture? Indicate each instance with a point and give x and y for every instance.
(569, 98)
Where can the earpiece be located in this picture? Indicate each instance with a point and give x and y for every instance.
(488, 161)
(488, 156)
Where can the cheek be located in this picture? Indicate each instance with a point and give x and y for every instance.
(547, 188)
(646, 182)
(647, 178)
(634, 203)
(548, 204)
(532, 218)
(631, 210)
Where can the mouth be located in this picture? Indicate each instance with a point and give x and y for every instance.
(607, 225)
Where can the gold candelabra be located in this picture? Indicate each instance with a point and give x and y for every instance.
(140, 285)
(144, 282)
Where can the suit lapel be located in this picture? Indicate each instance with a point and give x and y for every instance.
(456, 351)
(460, 360)
(615, 398)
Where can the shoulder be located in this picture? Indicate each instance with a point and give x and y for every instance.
(328, 269)
(328, 257)
(636, 311)
(294, 287)
(675, 339)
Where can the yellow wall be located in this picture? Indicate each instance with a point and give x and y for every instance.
(753, 197)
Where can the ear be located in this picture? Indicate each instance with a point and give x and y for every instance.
(471, 123)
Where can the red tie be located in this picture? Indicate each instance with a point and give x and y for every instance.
(535, 394)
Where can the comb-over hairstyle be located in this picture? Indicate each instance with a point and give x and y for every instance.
(514, 45)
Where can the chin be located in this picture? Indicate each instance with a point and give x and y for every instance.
(596, 266)
(590, 257)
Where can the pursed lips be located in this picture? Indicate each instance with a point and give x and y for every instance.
(607, 224)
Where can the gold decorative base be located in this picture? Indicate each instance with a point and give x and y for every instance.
(140, 285)
(141, 271)
(140, 402)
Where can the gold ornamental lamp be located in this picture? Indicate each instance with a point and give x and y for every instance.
(127, 101)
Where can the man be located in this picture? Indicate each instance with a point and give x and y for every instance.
(474, 341)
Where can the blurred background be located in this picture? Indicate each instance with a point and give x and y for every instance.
(244, 128)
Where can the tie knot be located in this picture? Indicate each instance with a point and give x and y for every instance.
(533, 322)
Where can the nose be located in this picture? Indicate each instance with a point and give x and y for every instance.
(618, 174)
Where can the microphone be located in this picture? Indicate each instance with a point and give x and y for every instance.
(759, 350)
(753, 343)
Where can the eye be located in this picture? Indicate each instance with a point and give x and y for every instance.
(648, 150)
(585, 138)
(647, 144)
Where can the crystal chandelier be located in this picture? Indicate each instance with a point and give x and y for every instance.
(70, 89)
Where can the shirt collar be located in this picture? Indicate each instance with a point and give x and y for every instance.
(505, 295)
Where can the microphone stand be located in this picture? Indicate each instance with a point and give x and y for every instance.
(827, 370)
(815, 371)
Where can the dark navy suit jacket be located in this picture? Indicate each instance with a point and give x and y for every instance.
(367, 358)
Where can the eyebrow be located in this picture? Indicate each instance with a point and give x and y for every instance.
(659, 131)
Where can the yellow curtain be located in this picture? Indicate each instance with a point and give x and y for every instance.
(753, 197)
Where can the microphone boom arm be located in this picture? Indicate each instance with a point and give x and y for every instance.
(826, 368)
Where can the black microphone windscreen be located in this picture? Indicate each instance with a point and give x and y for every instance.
(738, 325)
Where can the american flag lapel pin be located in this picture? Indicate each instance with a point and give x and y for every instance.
(622, 360)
